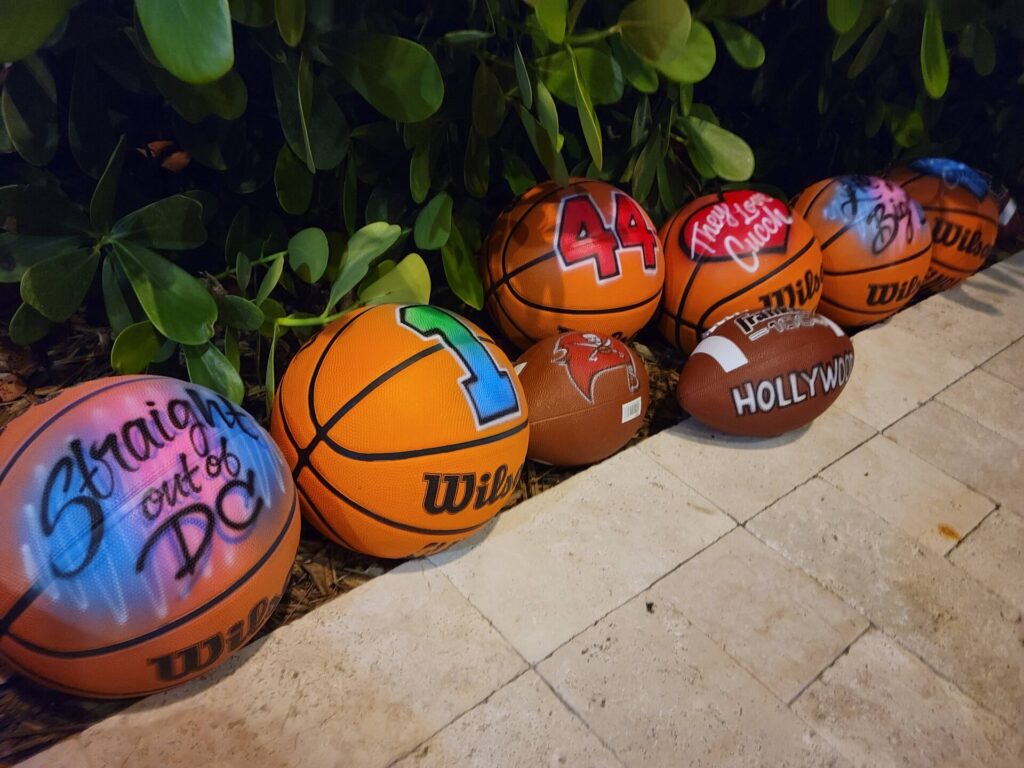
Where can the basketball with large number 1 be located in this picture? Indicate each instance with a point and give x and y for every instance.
(962, 213)
(876, 246)
(148, 529)
(734, 251)
(583, 257)
(405, 427)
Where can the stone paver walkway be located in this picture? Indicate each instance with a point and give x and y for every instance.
(849, 595)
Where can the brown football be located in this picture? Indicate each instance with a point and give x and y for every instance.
(587, 395)
(766, 372)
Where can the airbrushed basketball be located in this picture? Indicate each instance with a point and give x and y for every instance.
(731, 252)
(581, 257)
(875, 242)
(962, 213)
(405, 428)
(148, 528)
(588, 394)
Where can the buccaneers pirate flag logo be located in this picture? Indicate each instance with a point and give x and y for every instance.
(585, 356)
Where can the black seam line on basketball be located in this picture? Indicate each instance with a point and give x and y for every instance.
(596, 311)
(84, 692)
(818, 194)
(951, 268)
(320, 435)
(912, 179)
(319, 364)
(748, 286)
(677, 317)
(380, 518)
(839, 233)
(319, 515)
(856, 311)
(46, 424)
(527, 212)
(508, 316)
(665, 311)
(963, 211)
(181, 619)
(905, 259)
(399, 455)
(518, 270)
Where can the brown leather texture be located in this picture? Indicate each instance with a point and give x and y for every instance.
(577, 386)
(786, 368)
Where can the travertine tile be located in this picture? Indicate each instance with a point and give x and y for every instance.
(910, 493)
(1008, 365)
(994, 555)
(881, 706)
(743, 475)
(357, 682)
(613, 531)
(893, 373)
(990, 401)
(770, 616)
(966, 633)
(964, 449)
(524, 724)
(660, 693)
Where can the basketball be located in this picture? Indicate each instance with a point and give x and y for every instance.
(405, 428)
(584, 257)
(875, 246)
(962, 213)
(730, 252)
(149, 526)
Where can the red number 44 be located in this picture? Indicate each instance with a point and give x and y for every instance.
(582, 234)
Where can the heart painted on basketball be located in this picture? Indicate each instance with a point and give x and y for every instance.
(737, 224)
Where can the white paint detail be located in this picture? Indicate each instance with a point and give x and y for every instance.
(632, 409)
(724, 351)
(835, 328)
(519, 367)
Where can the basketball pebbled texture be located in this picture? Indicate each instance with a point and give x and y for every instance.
(405, 428)
(731, 252)
(583, 257)
(962, 213)
(764, 373)
(587, 393)
(148, 529)
(876, 246)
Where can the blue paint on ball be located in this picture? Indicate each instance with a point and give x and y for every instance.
(955, 173)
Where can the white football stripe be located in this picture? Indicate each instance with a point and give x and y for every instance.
(835, 328)
(724, 351)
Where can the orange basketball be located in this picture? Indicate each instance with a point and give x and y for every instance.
(730, 252)
(405, 428)
(584, 257)
(962, 213)
(148, 529)
(875, 246)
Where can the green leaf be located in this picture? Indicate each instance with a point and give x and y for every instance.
(236, 312)
(657, 30)
(551, 15)
(19, 252)
(174, 224)
(27, 24)
(543, 145)
(547, 112)
(270, 377)
(89, 132)
(698, 58)
(846, 40)
(231, 349)
(399, 77)
(350, 197)
(270, 280)
(523, 79)
(934, 59)
(56, 287)
(407, 283)
(984, 56)
(639, 73)
(312, 121)
(208, 367)
(434, 223)
(27, 326)
(225, 97)
(41, 210)
(465, 37)
(191, 38)
(869, 49)
(843, 14)
(516, 172)
(729, 156)
(476, 166)
(135, 347)
(177, 304)
(115, 301)
(600, 73)
(489, 104)
(101, 206)
(906, 126)
(419, 170)
(252, 13)
(243, 271)
(651, 158)
(308, 253)
(745, 49)
(365, 245)
(461, 270)
(291, 20)
(29, 110)
(588, 118)
(294, 184)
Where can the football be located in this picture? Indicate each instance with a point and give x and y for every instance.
(766, 372)
(587, 395)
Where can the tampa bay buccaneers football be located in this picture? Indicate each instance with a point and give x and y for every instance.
(766, 372)
(587, 395)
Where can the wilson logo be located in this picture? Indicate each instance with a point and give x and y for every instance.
(453, 493)
(795, 294)
(880, 294)
(969, 241)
